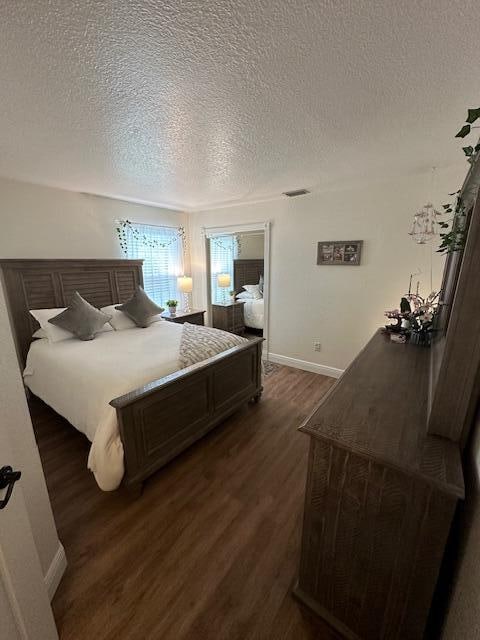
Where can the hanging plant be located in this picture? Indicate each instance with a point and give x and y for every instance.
(472, 116)
(454, 239)
(126, 226)
(471, 151)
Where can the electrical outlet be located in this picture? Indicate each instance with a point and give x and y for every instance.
(317, 345)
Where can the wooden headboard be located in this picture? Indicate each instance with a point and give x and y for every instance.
(45, 284)
(246, 272)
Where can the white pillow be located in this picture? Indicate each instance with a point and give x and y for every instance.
(261, 284)
(52, 332)
(244, 295)
(254, 289)
(120, 321)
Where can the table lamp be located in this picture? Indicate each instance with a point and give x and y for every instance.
(185, 285)
(224, 281)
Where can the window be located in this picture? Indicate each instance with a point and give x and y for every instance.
(222, 254)
(161, 249)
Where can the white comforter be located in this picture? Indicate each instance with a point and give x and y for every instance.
(253, 313)
(78, 379)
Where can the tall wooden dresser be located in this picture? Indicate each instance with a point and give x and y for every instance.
(384, 468)
(380, 497)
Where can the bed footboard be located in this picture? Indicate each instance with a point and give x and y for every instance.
(160, 420)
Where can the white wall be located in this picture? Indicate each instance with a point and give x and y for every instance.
(251, 246)
(342, 306)
(41, 222)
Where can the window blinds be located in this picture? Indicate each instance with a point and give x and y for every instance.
(222, 255)
(162, 252)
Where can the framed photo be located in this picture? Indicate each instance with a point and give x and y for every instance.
(339, 252)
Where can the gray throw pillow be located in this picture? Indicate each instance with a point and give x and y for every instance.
(260, 285)
(140, 308)
(81, 318)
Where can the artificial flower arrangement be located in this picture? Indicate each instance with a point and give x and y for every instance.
(414, 319)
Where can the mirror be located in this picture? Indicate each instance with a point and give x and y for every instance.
(236, 281)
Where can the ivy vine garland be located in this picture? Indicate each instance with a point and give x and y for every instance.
(472, 116)
(126, 226)
(219, 243)
(454, 239)
(215, 240)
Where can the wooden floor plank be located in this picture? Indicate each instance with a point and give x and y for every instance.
(210, 550)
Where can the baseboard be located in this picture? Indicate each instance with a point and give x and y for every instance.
(55, 571)
(322, 369)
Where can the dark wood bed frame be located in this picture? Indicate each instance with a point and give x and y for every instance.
(246, 272)
(200, 396)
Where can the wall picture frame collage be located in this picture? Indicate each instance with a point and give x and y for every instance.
(339, 252)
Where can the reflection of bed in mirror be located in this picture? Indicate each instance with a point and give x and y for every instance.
(247, 272)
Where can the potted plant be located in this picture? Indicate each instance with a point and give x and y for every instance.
(422, 318)
(172, 306)
(232, 295)
(414, 319)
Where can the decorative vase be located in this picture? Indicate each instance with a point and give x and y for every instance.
(421, 338)
(173, 311)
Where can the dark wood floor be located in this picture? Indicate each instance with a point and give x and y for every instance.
(210, 550)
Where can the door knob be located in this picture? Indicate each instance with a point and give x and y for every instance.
(8, 477)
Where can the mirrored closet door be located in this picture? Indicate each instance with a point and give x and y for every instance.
(237, 280)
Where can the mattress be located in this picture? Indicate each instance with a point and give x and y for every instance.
(78, 379)
(253, 313)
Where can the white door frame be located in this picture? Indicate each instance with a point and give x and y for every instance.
(24, 600)
(210, 232)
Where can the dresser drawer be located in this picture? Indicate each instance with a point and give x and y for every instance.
(238, 314)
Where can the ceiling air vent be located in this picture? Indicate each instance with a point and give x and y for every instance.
(297, 192)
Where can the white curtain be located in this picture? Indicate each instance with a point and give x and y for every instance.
(161, 264)
(222, 254)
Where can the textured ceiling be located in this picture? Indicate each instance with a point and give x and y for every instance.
(199, 102)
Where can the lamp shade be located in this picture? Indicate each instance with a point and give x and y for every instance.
(185, 284)
(223, 280)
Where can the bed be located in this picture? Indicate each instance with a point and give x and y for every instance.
(249, 272)
(155, 409)
(253, 313)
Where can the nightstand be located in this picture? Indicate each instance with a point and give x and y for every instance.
(228, 317)
(194, 316)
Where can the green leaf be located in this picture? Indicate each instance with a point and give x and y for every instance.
(473, 114)
(464, 131)
(446, 206)
(468, 150)
(477, 147)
